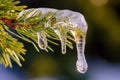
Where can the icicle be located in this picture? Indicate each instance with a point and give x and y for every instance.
(62, 36)
(42, 41)
(81, 63)
(65, 19)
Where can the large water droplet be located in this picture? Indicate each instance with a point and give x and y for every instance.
(42, 41)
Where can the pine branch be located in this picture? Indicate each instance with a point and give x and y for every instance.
(40, 26)
(9, 10)
(9, 49)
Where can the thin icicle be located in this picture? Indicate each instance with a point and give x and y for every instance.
(63, 39)
(81, 63)
(42, 41)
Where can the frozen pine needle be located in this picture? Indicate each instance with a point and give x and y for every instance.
(61, 22)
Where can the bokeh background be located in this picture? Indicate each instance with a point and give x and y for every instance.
(102, 46)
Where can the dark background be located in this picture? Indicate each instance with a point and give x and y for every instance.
(102, 44)
(103, 23)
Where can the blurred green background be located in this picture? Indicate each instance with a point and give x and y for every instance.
(102, 44)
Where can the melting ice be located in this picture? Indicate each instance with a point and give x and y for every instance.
(66, 20)
(75, 22)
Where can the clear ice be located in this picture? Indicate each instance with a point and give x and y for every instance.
(42, 40)
(81, 63)
(75, 22)
(65, 21)
(62, 35)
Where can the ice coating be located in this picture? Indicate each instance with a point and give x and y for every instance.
(65, 21)
(65, 17)
(72, 19)
(76, 21)
(35, 11)
(42, 40)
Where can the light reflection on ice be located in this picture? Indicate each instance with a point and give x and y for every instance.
(65, 21)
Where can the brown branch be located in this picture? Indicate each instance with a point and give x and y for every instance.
(11, 23)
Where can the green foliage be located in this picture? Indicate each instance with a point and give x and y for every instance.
(9, 9)
(10, 48)
(27, 28)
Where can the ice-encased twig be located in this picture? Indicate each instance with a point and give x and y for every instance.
(66, 19)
